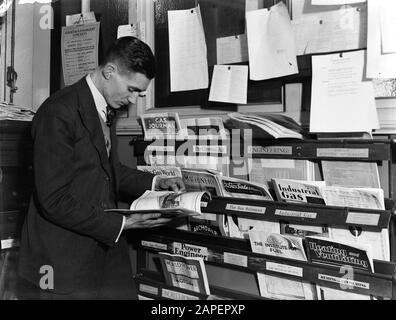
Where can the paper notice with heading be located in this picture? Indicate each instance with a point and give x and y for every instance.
(187, 50)
(79, 51)
(270, 35)
(341, 101)
(379, 65)
(229, 84)
(333, 30)
(232, 49)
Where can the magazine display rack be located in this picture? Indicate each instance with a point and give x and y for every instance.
(377, 150)
(233, 253)
(379, 284)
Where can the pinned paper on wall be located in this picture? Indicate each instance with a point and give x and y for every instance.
(341, 101)
(333, 30)
(229, 84)
(79, 47)
(80, 18)
(379, 65)
(187, 50)
(232, 49)
(272, 51)
(137, 30)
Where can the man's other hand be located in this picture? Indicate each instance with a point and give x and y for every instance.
(175, 184)
(144, 220)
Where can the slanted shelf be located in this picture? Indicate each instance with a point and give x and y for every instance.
(236, 254)
(340, 149)
(149, 285)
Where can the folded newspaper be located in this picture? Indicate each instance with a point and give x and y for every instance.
(170, 204)
(266, 125)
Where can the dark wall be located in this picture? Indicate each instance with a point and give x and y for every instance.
(110, 13)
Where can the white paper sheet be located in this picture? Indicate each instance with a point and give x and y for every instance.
(351, 174)
(232, 49)
(341, 101)
(376, 239)
(382, 66)
(271, 43)
(79, 51)
(80, 18)
(187, 50)
(137, 30)
(388, 26)
(229, 84)
(335, 30)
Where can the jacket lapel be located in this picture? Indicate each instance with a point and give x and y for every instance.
(114, 155)
(90, 119)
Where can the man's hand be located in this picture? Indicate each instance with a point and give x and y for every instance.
(144, 220)
(175, 184)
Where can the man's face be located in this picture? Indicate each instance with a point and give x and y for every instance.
(123, 88)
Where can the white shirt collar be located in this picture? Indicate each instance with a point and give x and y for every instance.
(100, 101)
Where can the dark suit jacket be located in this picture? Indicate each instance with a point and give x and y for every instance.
(66, 226)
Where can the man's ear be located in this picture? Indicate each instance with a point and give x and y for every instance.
(108, 70)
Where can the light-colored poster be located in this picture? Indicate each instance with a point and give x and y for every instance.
(332, 30)
(341, 101)
(379, 65)
(187, 50)
(229, 84)
(272, 51)
(232, 49)
(79, 51)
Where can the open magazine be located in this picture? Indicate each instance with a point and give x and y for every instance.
(169, 203)
(223, 186)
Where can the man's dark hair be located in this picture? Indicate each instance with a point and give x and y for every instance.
(131, 54)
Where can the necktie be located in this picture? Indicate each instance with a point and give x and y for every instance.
(110, 115)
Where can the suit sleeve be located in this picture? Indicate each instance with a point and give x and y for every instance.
(134, 182)
(53, 134)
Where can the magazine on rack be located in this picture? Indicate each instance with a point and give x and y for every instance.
(164, 171)
(170, 204)
(161, 125)
(185, 272)
(299, 191)
(282, 288)
(221, 186)
(339, 253)
(278, 245)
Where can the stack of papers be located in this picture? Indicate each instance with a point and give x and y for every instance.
(13, 112)
(266, 126)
